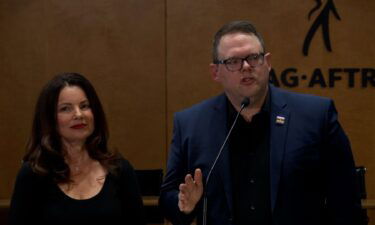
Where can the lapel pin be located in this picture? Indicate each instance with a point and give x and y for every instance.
(280, 120)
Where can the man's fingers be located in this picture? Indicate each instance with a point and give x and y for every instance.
(190, 191)
(183, 188)
(189, 180)
(181, 197)
(198, 177)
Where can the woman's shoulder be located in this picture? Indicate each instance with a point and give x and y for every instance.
(125, 165)
(27, 176)
(122, 167)
(27, 171)
(123, 174)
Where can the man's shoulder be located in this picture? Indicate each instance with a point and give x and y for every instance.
(301, 99)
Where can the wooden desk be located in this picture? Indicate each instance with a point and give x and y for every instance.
(150, 200)
(4, 203)
(147, 201)
(153, 201)
(368, 204)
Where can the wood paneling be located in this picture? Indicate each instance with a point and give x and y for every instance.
(149, 59)
(118, 45)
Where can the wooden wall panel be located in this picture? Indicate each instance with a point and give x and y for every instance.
(118, 45)
(22, 47)
(149, 59)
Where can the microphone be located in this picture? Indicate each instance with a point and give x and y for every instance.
(245, 102)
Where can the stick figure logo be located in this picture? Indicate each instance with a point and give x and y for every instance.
(322, 20)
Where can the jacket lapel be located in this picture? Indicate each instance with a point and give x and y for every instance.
(279, 123)
(223, 165)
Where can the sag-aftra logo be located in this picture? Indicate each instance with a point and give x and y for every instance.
(320, 27)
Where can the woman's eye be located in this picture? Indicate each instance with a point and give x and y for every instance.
(85, 106)
(64, 109)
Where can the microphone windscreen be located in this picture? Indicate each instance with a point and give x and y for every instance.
(245, 102)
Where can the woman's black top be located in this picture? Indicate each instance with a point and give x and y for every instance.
(38, 200)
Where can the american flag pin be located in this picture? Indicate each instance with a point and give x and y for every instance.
(280, 120)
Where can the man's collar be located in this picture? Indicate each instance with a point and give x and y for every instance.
(266, 107)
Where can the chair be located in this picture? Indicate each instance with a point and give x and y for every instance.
(361, 183)
(149, 184)
(4, 211)
(361, 194)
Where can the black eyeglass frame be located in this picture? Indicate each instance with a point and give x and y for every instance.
(250, 57)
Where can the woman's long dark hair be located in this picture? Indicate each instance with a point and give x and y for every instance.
(44, 149)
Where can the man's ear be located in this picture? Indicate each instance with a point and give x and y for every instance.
(267, 60)
(214, 72)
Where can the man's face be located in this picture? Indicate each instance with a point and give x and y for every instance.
(249, 81)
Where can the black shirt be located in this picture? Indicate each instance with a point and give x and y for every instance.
(249, 158)
(38, 200)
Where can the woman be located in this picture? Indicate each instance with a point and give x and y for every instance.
(69, 176)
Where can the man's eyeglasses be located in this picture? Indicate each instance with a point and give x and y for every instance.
(235, 64)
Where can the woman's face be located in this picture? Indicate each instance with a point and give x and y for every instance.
(75, 120)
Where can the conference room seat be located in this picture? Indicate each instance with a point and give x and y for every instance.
(149, 183)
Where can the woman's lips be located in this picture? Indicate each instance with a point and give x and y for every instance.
(78, 126)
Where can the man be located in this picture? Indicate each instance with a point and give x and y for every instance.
(287, 161)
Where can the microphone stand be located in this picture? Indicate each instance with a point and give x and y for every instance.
(244, 104)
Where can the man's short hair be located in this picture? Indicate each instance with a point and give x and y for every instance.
(234, 27)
